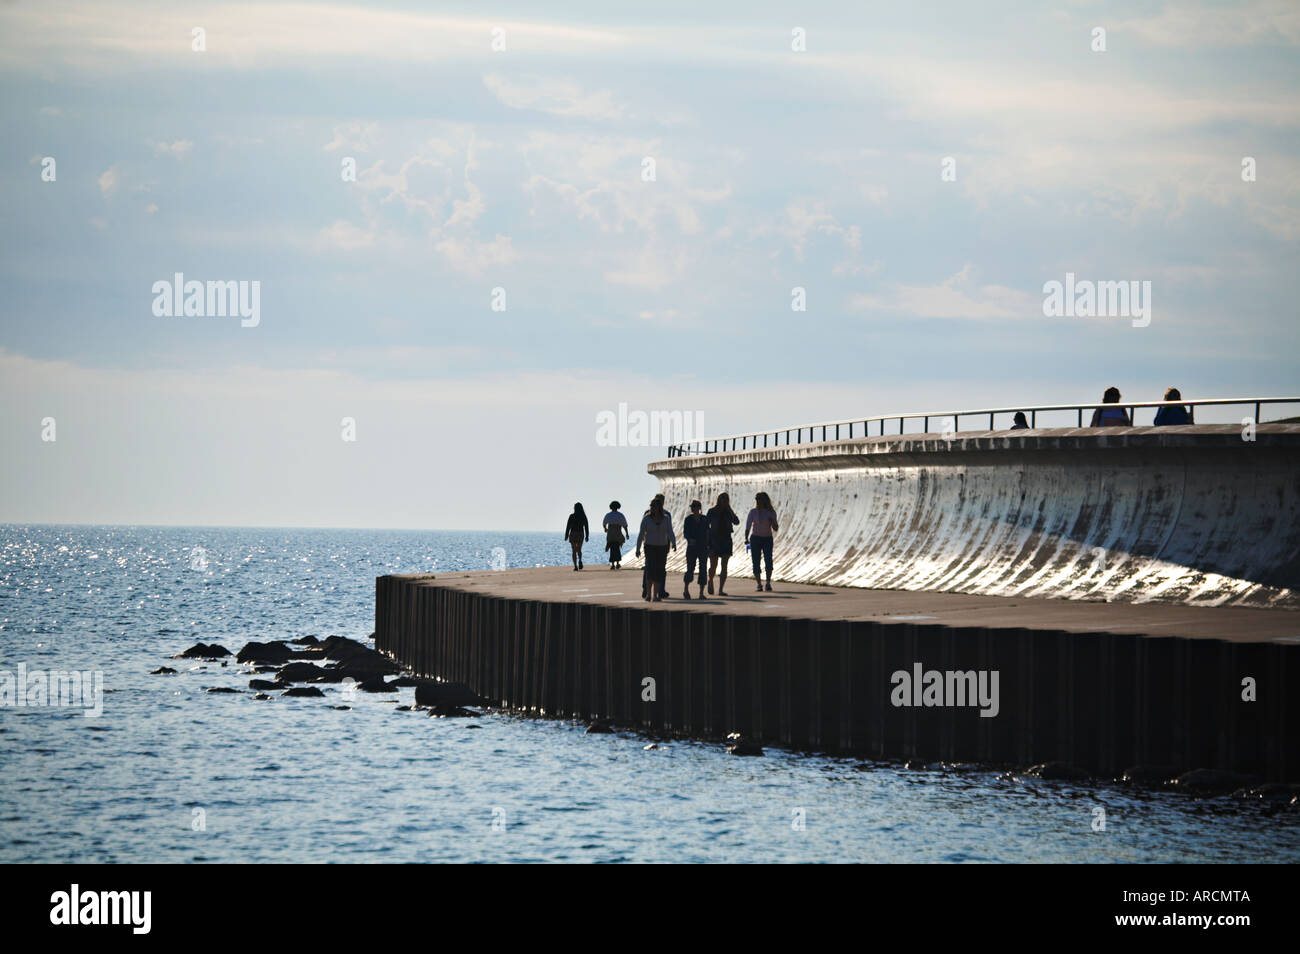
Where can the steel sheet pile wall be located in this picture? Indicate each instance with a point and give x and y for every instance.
(1102, 702)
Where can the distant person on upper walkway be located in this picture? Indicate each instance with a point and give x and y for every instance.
(1174, 413)
(1018, 423)
(575, 531)
(759, 527)
(1110, 416)
(615, 526)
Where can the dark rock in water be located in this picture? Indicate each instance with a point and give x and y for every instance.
(264, 684)
(405, 709)
(737, 744)
(302, 691)
(1209, 781)
(432, 693)
(343, 708)
(162, 671)
(1148, 774)
(402, 682)
(203, 651)
(450, 712)
(473, 726)
(652, 747)
(362, 667)
(1055, 771)
(222, 689)
(599, 728)
(274, 652)
(261, 696)
(258, 670)
(375, 684)
(304, 672)
(305, 641)
(1276, 793)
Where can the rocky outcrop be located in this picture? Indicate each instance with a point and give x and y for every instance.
(1056, 771)
(1148, 774)
(450, 712)
(431, 693)
(275, 653)
(264, 684)
(203, 651)
(162, 671)
(1205, 781)
(307, 672)
(738, 744)
(302, 691)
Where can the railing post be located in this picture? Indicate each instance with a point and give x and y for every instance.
(1256, 412)
(1081, 417)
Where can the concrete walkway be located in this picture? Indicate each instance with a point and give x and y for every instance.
(600, 585)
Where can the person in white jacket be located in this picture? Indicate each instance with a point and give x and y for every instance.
(657, 536)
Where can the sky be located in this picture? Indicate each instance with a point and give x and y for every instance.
(503, 268)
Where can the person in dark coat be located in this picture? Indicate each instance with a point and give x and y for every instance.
(576, 531)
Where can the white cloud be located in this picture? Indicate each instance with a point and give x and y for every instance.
(344, 235)
(354, 136)
(1189, 26)
(557, 97)
(177, 150)
(109, 181)
(474, 257)
(956, 297)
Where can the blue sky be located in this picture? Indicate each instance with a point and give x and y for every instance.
(521, 169)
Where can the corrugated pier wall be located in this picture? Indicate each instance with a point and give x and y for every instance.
(1103, 702)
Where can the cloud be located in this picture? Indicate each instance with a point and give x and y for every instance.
(475, 257)
(956, 297)
(177, 150)
(554, 96)
(344, 235)
(109, 181)
(1189, 26)
(114, 32)
(353, 136)
(803, 219)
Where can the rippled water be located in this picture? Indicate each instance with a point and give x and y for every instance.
(169, 772)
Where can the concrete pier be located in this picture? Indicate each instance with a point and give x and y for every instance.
(1100, 686)
(1130, 593)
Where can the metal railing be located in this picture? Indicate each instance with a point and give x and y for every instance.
(845, 430)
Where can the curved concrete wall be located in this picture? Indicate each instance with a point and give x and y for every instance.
(1192, 515)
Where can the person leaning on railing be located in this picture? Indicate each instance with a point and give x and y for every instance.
(1172, 414)
(1110, 416)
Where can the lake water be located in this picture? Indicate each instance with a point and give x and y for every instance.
(169, 772)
